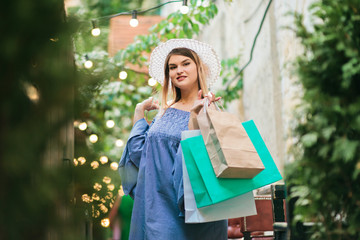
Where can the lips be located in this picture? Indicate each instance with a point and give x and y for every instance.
(180, 78)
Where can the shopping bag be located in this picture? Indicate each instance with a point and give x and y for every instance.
(230, 149)
(243, 205)
(221, 189)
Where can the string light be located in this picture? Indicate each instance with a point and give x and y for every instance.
(95, 30)
(134, 22)
(104, 159)
(114, 166)
(32, 92)
(107, 180)
(110, 123)
(82, 126)
(97, 186)
(184, 9)
(123, 75)
(93, 138)
(119, 143)
(81, 160)
(111, 187)
(105, 222)
(95, 197)
(86, 198)
(94, 164)
(88, 63)
(152, 82)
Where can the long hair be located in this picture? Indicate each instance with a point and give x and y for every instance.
(175, 91)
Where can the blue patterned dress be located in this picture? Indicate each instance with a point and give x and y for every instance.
(151, 172)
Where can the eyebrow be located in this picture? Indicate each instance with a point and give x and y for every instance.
(188, 59)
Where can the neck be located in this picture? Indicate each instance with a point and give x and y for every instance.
(188, 97)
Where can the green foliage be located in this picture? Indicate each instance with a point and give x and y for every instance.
(325, 174)
(229, 69)
(36, 101)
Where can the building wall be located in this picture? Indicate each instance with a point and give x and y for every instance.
(270, 93)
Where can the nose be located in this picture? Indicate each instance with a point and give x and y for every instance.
(179, 69)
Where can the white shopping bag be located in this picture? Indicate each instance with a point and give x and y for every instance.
(240, 206)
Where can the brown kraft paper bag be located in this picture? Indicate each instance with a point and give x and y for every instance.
(230, 150)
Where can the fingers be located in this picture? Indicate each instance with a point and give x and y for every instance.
(212, 98)
(150, 104)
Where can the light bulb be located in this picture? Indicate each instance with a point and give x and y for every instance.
(93, 138)
(114, 166)
(97, 186)
(123, 75)
(184, 9)
(119, 143)
(88, 64)
(111, 187)
(152, 82)
(105, 222)
(134, 22)
(94, 164)
(82, 126)
(110, 123)
(95, 32)
(107, 180)
(81, 160)
(104, 159)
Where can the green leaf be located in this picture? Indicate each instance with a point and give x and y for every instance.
(309, 139)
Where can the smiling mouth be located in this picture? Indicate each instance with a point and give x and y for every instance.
(180, 78)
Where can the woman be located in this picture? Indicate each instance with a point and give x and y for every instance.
(151, 165)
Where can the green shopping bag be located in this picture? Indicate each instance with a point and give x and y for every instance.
(220, 189)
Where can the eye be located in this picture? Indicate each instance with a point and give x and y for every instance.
(172, 67)
(186, 63)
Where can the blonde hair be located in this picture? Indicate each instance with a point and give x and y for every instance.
(175, 91)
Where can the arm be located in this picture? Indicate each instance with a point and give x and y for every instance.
(130, 160)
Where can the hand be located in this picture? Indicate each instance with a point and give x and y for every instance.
(199, 103)
(211, 97)
(148, 105)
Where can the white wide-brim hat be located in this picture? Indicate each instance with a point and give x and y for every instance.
(203, 50)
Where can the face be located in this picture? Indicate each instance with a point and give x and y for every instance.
(183, 72)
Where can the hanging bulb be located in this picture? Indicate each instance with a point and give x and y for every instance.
(93, 138)
(119, 143)
(95, 31)
(152, 82)
(123, 75)
(82, 126)
(134, 22)
(105, 222)
(110, 123)
(114, 166)
(184, 9)
(104, 159)
(88, 63)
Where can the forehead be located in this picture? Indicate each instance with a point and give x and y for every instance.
(176, 59)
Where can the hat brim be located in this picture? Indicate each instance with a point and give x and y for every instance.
(206, 53)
